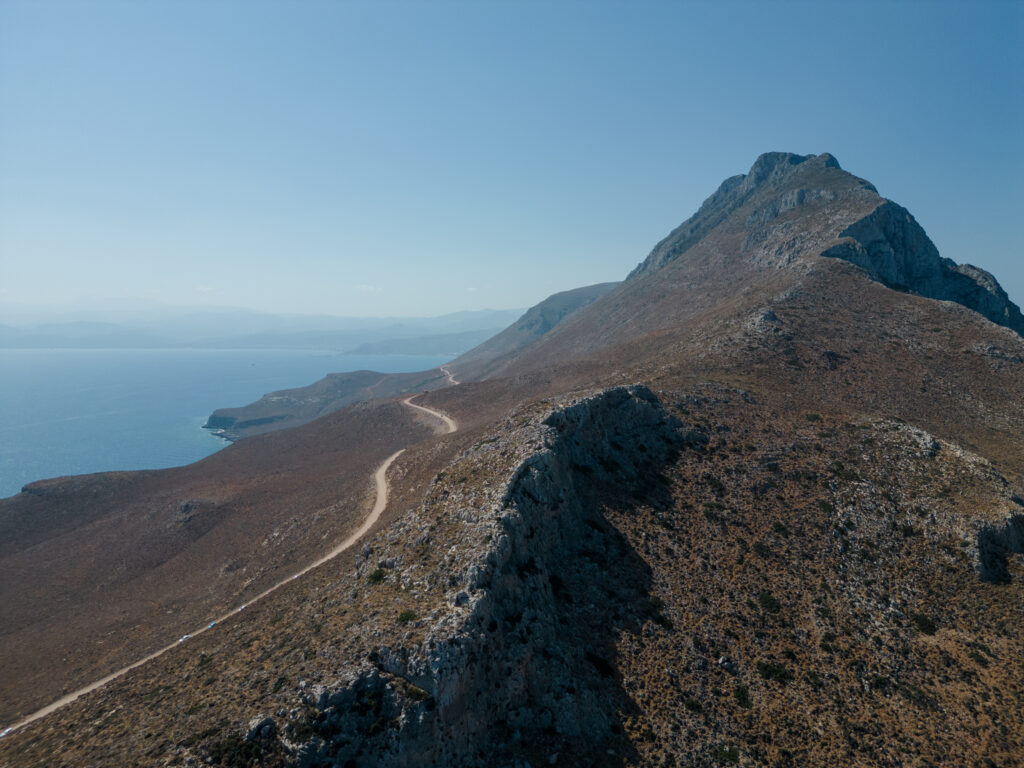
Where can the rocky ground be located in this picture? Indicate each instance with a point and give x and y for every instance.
(625, 578)
(754, 506)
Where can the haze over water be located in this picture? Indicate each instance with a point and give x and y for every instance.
(75, 411)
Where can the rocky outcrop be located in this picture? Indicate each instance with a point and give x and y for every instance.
(893, 249)
(853, 223)
(525, 655)
(995, 542)
(758, 188)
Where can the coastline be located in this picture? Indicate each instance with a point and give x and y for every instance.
(68, 412)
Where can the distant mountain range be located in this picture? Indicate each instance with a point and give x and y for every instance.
(232, 329)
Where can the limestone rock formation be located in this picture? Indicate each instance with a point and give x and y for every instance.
(892, 248)
(887, 243)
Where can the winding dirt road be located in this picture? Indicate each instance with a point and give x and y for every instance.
(380, 479)
(451, 379)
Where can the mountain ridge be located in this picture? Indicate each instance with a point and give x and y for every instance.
(751, 506)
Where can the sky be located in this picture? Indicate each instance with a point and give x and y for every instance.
(418, 158)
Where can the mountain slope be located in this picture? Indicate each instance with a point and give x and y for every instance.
(752, 506)
(534, 324)
(758, 237)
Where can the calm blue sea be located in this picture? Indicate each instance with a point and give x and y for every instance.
(73, 411)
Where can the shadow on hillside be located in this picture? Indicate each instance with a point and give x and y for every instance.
(575, 590)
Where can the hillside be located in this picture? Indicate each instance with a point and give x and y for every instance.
(535, 323)
(288, 408)
(759, 504)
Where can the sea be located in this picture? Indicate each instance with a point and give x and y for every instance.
(76, 411)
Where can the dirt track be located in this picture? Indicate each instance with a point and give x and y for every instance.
(380, 504)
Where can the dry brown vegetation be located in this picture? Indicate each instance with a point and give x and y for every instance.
(804, 589)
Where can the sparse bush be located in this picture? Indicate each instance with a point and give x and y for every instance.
(768, 602)
(727, 754)
(742, 696)
(924, 624)
(761, 550)
(917, 696)
(693, 705)
(812, 416)
(978, 658)
(780, 528)
(772, 671)
(715, 484)
(235, 752)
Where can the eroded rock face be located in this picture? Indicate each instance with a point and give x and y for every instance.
(892, 248)
(834, 214)
(777, 182)
(526, 654)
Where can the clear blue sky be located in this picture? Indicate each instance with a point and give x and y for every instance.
(416, 158)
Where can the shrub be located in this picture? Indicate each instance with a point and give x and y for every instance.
(978, 658)
(768, 603)
(376, 577)
(772, 671)
(924, 624)
(727, 754)
(693, 705)
(761, 550)
(406, 616)
(780, 528)
(716, 485)
(235, 752)
(742, 696)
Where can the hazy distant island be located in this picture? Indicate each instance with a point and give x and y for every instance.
(171, 327)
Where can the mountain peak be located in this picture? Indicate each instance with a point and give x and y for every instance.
(809, 177)
(775, 165)
(791, 209)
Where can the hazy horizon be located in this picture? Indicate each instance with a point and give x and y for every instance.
(405, 159)
(124, 307)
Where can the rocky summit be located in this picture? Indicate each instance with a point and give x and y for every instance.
(761, 503)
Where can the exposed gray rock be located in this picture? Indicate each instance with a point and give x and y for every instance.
(893, 249)
(525, 654)
(261, 728)
(769, 170)
(853, 223)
